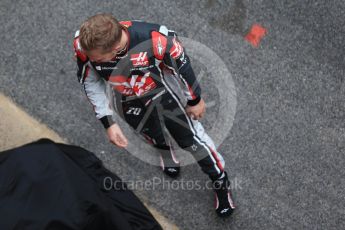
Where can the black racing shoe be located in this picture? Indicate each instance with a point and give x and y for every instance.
(170, 165)
(224, 204)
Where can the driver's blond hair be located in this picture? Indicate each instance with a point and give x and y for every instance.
(101, 31)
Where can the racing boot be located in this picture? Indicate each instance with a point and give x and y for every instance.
(170, 165)
(224, 204)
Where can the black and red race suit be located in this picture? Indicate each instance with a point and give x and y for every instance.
(152, 81)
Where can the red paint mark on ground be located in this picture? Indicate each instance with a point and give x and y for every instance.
(255, 35)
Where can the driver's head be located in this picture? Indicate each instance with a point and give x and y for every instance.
(99, 36)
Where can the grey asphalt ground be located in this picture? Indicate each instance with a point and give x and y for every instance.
(285, 150)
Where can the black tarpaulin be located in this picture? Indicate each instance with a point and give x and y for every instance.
(45, 185)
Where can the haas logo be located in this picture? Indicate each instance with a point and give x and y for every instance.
(134, 85)
(140, 59)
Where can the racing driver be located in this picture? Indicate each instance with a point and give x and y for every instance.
(154, 89)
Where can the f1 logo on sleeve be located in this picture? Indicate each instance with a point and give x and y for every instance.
(140, 59)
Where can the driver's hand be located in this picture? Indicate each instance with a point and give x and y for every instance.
(116, 136)
(197, 111)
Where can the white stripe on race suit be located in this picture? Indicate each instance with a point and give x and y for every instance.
(82, 78)
(172, 152)
(230, 201)
(162, 162)
(185, 89)
(202, 143)
(217, 201)
(207, 139)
